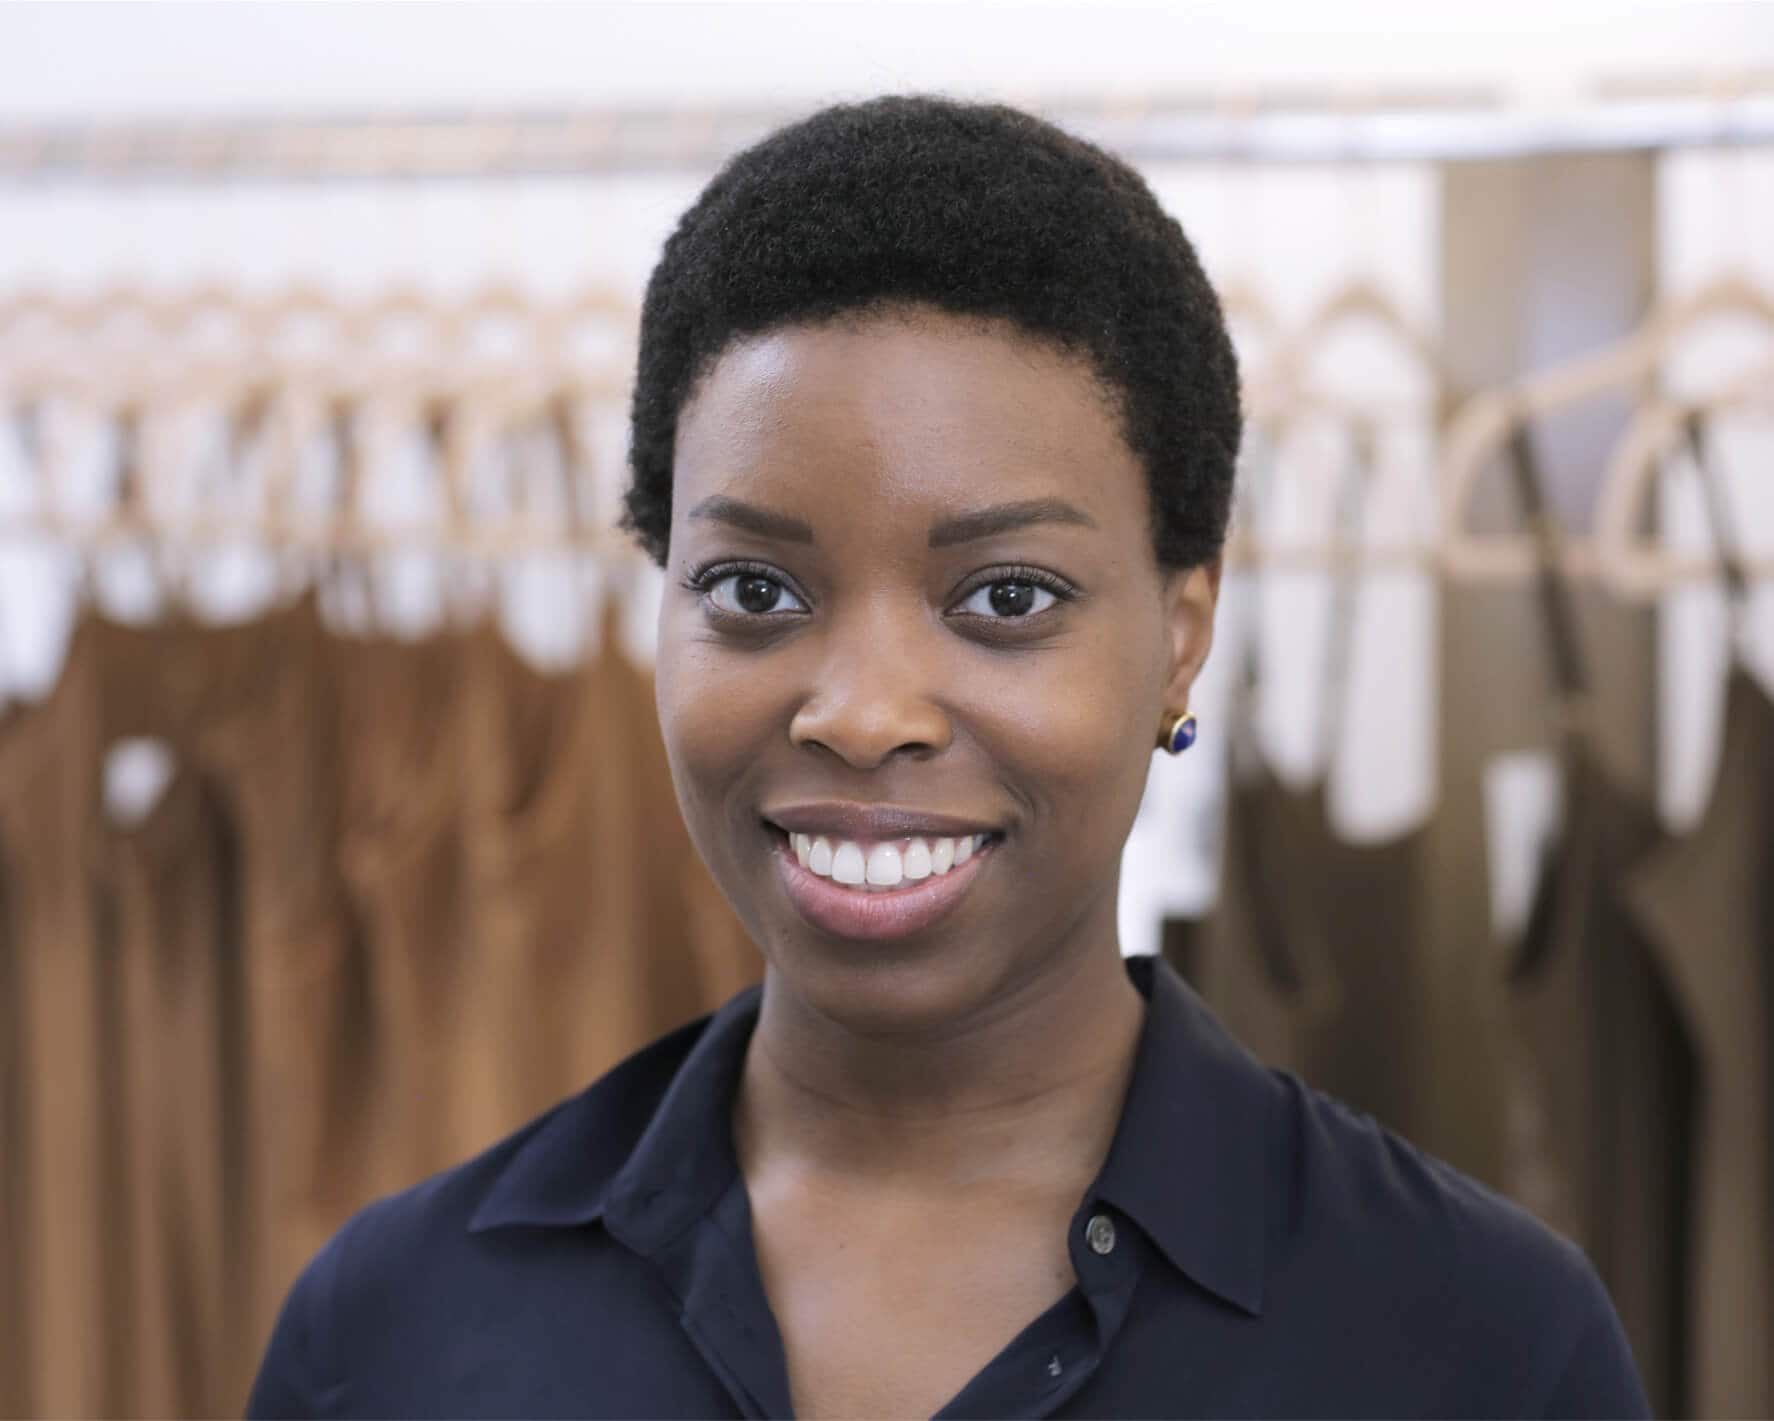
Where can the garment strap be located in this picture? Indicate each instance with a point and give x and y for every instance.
(1718, 517)
(1558, 610)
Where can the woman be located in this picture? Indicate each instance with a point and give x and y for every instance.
(934, 433)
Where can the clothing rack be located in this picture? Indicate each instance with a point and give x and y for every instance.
(90, 355)
(1304, 124)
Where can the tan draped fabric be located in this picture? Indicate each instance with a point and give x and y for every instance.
(15, 1313)
(50, 766)
(175, 946)
(396, 898)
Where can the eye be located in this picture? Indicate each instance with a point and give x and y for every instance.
(750, 594)
(1008, 598)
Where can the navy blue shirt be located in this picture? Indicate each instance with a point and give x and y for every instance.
(1251, 1248)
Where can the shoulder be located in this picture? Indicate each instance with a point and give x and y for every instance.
(422, 1250)
(1456, 1280)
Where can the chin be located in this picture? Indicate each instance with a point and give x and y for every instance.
(875, 994)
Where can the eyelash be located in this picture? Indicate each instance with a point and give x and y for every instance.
(699, 579)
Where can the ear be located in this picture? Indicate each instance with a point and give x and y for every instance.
(1191, 597)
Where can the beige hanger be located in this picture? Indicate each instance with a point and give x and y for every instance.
(1630, 564)
(1631, 365)
(1362, 301)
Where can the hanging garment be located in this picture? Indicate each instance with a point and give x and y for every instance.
(246, 713)
(70, 1237)
(171, 890)
(1311, 955)
(15, 1207)
(1705, 901)
(404, 755)
(1605, 1088)
(596, 929)
(1314, 954)
(264, 729)
(1608, 1079)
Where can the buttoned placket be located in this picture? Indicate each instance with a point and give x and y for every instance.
(1052, 1361)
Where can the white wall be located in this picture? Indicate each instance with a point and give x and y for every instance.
(84, 60)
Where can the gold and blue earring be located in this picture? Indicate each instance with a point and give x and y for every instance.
(1180, 736)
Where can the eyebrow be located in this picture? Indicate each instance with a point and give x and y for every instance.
(1007, 518)
(749, 518)
(963, 528)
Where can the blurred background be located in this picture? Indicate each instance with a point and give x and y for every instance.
(336, 838)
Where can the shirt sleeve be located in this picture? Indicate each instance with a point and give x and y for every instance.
(290, 1382)
(1600, 1379)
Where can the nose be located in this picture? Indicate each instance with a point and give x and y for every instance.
(871, 695)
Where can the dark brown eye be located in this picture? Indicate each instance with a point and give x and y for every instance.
(1012, 599)
(1008, 598)
(752, 594)
(757, 594)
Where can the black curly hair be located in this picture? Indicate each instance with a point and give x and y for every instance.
(974, 209)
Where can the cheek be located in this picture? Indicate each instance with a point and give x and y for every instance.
(715, 714)
(1077, 736)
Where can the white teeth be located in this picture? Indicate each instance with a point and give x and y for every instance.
(847, 864)
(884, 865)
(884, 868)
(916, 862)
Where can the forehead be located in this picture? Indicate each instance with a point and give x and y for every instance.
(912, 410)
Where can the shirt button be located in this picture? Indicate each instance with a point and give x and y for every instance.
(1100, 1234)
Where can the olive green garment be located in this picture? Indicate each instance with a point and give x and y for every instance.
(1312, 955)
(1705, 903)
(1603, 1094)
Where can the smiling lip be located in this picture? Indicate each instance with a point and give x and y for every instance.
(871, 822)
(877, 916)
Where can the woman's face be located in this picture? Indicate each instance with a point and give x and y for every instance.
(912, 602)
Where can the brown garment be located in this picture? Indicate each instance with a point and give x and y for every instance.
(596, 928)
(259, 717)
(246, 710)
(174, 939)
(404, 757)
(68, 1241)
(397, 899)
(15, 1313)
(1705, 904)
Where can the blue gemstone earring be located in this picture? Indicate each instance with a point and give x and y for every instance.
(1181, 734)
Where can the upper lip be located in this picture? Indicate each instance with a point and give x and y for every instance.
(871, 821)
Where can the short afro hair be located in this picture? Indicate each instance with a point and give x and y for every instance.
(976, 210)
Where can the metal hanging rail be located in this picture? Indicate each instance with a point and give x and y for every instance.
(1299, 126)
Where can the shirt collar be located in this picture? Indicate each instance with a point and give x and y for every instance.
(1190, 1159)
(649, 1148)
(657, 1126)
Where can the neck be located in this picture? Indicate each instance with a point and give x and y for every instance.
(1036, 1086)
